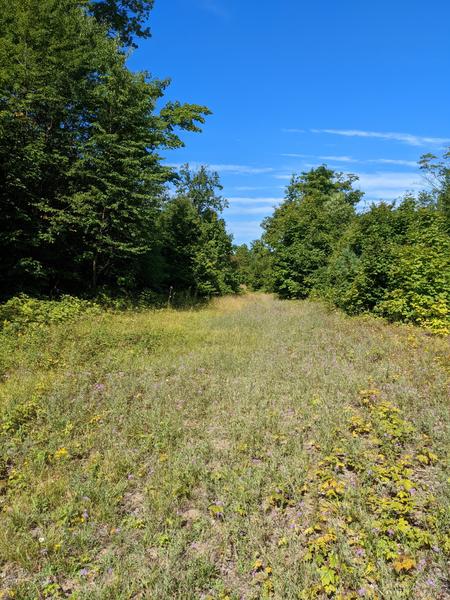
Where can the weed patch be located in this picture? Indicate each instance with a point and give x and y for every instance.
(223, 453)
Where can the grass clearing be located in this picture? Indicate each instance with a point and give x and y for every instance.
(251, 449)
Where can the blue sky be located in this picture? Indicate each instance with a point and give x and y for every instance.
(360, 86)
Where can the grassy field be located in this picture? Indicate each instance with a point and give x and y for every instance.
(250, 449)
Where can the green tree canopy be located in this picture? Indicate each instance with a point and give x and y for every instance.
(125, 18)
(80, 136)
(437, 173)
(197, 249)
(302, 232)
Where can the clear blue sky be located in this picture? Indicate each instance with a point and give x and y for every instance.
(361, 86)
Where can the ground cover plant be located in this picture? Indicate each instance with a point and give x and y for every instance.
(252, 448)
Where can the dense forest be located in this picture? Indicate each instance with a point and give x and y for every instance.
(87, 202)
(89, 206)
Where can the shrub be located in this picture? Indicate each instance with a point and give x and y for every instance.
(23, 311)
(419, 281)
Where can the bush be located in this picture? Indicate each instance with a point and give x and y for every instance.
(394, 261)
(419, 281)
(21, 312)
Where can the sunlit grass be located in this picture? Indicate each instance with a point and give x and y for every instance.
(193, 454)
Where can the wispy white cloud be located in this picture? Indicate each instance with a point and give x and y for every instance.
(388, 185)
(249, 210)
(249, 188)
(240, 169)
(216, 7)
(377, 161)
(405, 138)
(242, 206)
(350, 159)
(283, 176)
(339, 158)
(245, 231)
(294, 155)
(227, 168)
(246, 200)
(335, 158)
(394, 161)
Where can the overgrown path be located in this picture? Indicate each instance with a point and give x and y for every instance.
(251, 449)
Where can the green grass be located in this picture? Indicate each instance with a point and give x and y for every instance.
(251, 449)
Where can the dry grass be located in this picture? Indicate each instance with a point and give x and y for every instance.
(189, 454)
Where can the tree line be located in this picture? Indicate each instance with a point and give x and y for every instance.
(86, 201)
(392, 260)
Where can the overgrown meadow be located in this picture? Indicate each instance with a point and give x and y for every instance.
(253, 448)
(244, 448)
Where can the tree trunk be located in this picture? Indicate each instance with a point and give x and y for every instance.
(94, 271)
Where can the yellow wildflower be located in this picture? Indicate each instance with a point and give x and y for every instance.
(61, 453)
